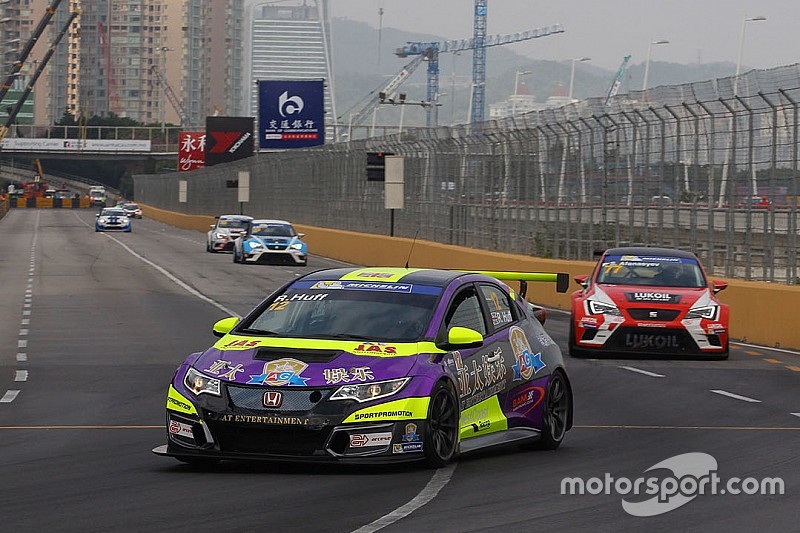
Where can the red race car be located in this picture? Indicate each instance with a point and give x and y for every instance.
(648, 301)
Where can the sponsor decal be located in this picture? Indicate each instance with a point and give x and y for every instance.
(260, 419)
(273, 398)
(363, 286)
(651, 324)
(526, 399)
(342, 375)
(407, 447)
(411, 434)
(178, 402)
(659, 297)
(179, 428)
(191, 150)
(300, 298)
(484, 417)
(405, 408)
(281, 372)
(500, 317)
(366, 440)
(244, 343)
(230, 370)
(382, 275)
(374, 348)
(528, 363)
(641, 340)
(228, 139)
(291, 113)
(383, 414)
(485, 377)
(545, 340)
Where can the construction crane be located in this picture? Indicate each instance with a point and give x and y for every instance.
(614, 89)
(368, 105)
(23, 55)
(173, 98)
(12, 114)
(431, 50)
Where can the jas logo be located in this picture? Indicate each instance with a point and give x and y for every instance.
(241, 344)
(375, 348)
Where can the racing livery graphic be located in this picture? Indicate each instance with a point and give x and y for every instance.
(648, 301)
(374, 365)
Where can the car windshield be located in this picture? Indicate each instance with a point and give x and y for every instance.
(231, 223)
(113, 213)
(357, 310)
(273, 230)
(130, 207)
(655, 271)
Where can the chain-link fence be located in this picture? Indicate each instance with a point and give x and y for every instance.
(709, 167)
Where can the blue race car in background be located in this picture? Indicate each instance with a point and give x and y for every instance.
(112, 219)
(270, 241)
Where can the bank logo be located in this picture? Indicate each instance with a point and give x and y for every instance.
(289, 105)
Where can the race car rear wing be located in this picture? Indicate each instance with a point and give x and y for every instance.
(561, 279)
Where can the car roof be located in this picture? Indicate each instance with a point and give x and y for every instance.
(236, 217)
(270, 221)
(646, 250)
(421, 276)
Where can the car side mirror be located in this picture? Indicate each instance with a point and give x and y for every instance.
(582, 280)
(301, 235)
(212, 226)
(719, 285)
(224, 326)
(97, 215)
(459, 337)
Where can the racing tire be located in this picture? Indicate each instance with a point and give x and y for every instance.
(573, 350)
(555, 416)
(441, 444)
(208, 248)
(235, 257)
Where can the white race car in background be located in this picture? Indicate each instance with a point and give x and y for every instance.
(112, 219)
(225, 231)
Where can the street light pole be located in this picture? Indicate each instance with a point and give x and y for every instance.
(647, 62)
(572, 74)
(745, 20)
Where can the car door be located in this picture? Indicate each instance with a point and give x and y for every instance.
(481, 373)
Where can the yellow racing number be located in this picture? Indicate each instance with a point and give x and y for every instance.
(278, 306)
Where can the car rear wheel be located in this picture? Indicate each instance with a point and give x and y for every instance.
(442, 434)
(557, 404)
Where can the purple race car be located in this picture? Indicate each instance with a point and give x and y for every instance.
(374, 365)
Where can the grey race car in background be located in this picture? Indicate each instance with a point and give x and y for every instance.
(225, 232)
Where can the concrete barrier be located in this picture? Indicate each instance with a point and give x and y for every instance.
(761, 313)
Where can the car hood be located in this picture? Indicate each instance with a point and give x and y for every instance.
(274, 240)
(305, 362)
(628, 295)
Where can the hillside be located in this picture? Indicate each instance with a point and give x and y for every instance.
(361, 67)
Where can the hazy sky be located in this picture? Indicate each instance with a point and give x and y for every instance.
(607, 30)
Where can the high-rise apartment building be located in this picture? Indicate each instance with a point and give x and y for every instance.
(290, 40)
(117, 51)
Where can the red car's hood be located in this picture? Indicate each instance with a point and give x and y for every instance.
(630, 295)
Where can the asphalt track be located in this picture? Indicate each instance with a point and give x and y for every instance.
(91, 332)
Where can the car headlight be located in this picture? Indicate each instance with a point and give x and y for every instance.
(220, 235)
(296, 246)
(710, 312)
(366, 392)
(255, 244)
(201, 384)
(599, 308)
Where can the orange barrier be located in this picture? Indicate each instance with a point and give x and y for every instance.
(761, 313)
(49, 203)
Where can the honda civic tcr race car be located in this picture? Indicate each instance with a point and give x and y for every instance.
(224, 232)
(374, 365)
(270, 241)
(112, 219)
(648, 301)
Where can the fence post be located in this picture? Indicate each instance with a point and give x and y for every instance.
(792, 224)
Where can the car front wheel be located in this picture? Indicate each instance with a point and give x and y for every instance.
(557, 404)
(442, 441)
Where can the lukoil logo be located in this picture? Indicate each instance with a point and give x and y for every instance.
(289, 105)
(692, 474)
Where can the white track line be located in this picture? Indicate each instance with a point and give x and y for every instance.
(21, 375)
(437, 482)
(735, 396)
(9, 396)
(645, 372)
(795, 414)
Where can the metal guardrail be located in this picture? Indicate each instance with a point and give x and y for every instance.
(683, 166)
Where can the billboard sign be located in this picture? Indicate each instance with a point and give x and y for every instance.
(191, 150)
(228, 139)
(291, 114)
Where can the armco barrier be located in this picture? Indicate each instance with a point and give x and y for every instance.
(761, 313)
(48, 203)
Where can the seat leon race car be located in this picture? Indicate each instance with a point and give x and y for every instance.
(112, 219)
(374, 365)
(270, 241)
(648, 301)
(225, 231)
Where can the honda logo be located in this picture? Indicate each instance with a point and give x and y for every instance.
(273, 399)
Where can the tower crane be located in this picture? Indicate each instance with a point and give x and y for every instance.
(173, 98)
(614, 89)
(479, 43)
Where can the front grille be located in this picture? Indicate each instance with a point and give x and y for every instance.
(652, 340)
(292, 399)
(283, 440)
(277, 246)
(660, 315)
